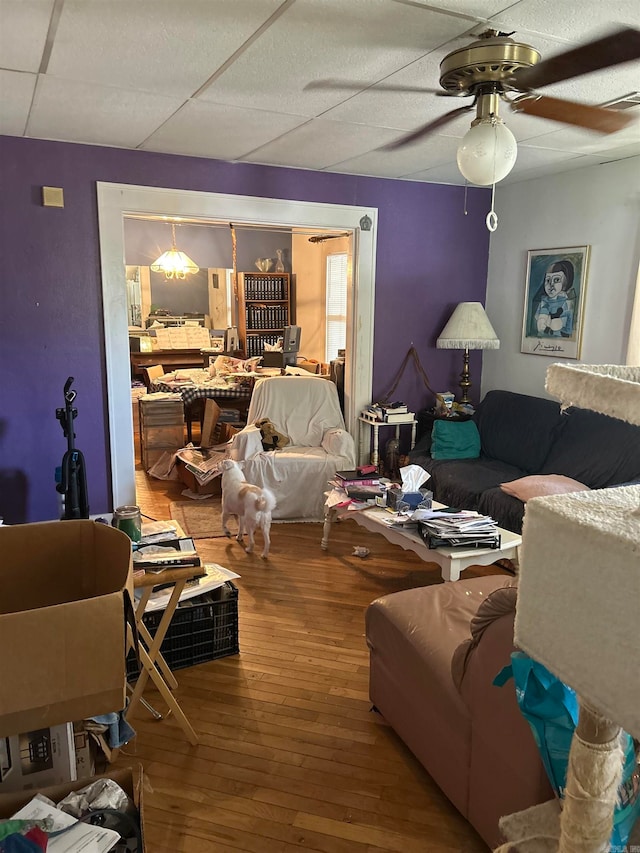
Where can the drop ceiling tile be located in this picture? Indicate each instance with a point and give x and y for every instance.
(320, 143)
(23, 32)
(406, 110)
(16, 92)
(320, 39)
(599, 86)
(84, 112)
(445, 174)
(531, 158)
(528, 174)
(473, 8)
(576, 21)
(215, 130)
(161, 46)
(622, 153)
(434, 151)
(583, 141)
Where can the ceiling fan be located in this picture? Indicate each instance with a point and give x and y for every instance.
(496, 68)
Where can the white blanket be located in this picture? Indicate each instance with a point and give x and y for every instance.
(306, 409)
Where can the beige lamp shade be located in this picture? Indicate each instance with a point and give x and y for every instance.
(468, 328)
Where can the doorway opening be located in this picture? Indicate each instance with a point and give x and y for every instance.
(115, 201)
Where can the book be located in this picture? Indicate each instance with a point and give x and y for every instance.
(395, 407)
(393, 416)
(343, 484)
(346, 476)
(372, 417)
(166, 554)
(363, 493)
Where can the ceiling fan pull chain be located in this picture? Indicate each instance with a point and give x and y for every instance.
(492, 216)
(466, 187)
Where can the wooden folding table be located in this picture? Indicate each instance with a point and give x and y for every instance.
(154, 666)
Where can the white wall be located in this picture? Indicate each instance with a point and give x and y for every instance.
(597, 206)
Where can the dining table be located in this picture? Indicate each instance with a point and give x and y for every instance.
(197, 385)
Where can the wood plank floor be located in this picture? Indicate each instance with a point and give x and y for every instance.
(291, 757)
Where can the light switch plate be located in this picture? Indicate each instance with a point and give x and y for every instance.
(52, 197)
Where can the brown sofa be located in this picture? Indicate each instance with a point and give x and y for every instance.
(434, 652)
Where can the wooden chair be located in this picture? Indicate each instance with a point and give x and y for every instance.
(150, 374)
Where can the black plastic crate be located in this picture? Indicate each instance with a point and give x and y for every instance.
(203, 628)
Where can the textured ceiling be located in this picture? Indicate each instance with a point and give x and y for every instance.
(226, 79)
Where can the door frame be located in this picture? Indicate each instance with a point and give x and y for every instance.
(117, 200)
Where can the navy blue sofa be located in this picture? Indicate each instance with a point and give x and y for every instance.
(523, 435)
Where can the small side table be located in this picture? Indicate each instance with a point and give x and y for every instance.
(375, 427)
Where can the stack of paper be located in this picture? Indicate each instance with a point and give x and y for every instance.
(459, 528)
(80, 838)
(167, 553)
(215, 576)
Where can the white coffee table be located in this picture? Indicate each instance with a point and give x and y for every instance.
(452, 561)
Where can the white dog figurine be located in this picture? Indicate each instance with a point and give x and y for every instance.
(250, 504)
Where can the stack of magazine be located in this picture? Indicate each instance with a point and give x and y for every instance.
(169, 553)
(463, 528)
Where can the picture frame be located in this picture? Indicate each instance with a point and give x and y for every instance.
(554, 300)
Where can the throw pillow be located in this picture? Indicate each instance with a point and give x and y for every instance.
(541, 485)
(455, 440)
(337, 442)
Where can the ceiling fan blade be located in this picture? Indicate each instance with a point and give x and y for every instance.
(356, 86)
(569, 112)
(427, 128)
(621, 46)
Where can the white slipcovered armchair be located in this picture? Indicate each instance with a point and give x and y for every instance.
(307, 410)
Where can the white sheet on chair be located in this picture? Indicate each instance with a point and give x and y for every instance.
(303, 408)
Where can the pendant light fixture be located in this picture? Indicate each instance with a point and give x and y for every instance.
(174, 264)
(488, 151)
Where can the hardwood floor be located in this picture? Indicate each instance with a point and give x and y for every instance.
(291, 757)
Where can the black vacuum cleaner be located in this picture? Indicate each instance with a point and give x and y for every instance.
(73, 481)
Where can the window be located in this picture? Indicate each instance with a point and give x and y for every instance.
(336, 305)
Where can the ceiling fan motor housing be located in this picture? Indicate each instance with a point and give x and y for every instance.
(488, 61)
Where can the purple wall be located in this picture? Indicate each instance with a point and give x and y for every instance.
(430, 257)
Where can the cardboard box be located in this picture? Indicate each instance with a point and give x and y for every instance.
(37, 759)
(213, 487)
(65, 589)
(85, 748)
(130, 780)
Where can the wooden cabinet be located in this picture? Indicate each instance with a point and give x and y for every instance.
(264, 308)
(170, 359)
(161, 424)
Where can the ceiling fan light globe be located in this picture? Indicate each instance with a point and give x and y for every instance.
(487, 153)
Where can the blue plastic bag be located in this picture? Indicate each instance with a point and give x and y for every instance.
(551, 709)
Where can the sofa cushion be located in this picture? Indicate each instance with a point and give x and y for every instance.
(455, 440)
(541, 485)
(503, 508)
(505, 422)
(461, 482)
(595, 449)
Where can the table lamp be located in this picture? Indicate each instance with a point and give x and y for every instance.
(577, 613)
(468, 328)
